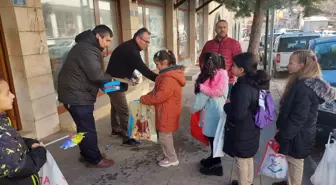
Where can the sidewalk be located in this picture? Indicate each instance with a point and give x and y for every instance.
(137, 166)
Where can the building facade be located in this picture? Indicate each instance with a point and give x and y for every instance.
(37, 34)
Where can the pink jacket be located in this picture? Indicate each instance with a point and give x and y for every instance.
(228, 48)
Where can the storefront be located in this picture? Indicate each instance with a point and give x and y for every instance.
(64, 19)
(152, 16)
(183, 32)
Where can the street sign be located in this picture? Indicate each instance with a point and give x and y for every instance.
(20, 2)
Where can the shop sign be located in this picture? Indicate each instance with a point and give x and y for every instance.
(20, 2)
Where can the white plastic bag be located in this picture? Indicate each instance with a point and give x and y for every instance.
(50, 173)
(325, 173)
(273, 164)
(219, 137)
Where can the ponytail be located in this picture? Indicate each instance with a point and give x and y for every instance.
(165, 55)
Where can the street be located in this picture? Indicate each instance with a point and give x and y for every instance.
(137, 166)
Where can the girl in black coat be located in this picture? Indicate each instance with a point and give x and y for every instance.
(298, 111)
(241, 134)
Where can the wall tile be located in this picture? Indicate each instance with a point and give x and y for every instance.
(41, 86)
(8, 18)
(13, 43)
(47, 126)
(37, 65)
(44, 106)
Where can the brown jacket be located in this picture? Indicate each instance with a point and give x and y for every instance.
(167, 98)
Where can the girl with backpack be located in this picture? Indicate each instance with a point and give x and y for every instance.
(211, 89)
(296, 123)
(167, 99)
(241, 132)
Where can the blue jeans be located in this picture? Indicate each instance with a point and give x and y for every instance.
(85, 122)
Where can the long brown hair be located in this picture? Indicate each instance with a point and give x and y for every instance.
(311, 69)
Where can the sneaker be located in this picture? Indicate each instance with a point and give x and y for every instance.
(167, 163)
(215, 170)
(160, 158)
(131, 142)
(280, 183)
(82, 159)
(105, 163)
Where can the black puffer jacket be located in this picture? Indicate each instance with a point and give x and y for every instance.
(298, 116)
(82, 73)
(19, 163)
(241, 133)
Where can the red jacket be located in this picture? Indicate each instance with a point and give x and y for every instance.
(228, 48)
(167, 98)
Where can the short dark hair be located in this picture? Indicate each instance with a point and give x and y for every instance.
(222, 20)
(102, 30)
(165, 55)
(140, 32)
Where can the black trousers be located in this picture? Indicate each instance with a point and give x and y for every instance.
(215, 160)
(85, 122)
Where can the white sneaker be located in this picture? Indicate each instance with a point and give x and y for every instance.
(160, 158)
(167, 163)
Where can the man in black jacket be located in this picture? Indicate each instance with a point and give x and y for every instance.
(124, 60)
(79, 81)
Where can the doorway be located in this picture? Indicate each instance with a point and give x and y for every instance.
(6, 73)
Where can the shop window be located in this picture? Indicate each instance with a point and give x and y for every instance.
(65, 19)
(109, 17)
(153, 18)
(183, 34)
(199, 28)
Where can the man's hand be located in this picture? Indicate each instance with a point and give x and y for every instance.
(131, 82)
(35, 145)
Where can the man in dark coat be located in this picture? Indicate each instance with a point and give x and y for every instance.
(124, 60)
(79, 81)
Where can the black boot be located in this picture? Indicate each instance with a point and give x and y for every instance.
(235, 182)
(280, 183)
(216, 170)
(206, 162)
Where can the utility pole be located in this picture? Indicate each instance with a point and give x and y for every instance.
(270, 57)
(266, 39)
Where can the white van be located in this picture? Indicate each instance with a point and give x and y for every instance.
(284, 46)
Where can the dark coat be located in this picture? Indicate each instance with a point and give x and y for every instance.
(241, 133)
(82, 73)
(21, 162)
(298, 116)
(124, 60)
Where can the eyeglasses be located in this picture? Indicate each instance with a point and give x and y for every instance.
(147, 42)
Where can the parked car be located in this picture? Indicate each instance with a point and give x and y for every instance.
(325, 50)
(262, 45)
(286, 44)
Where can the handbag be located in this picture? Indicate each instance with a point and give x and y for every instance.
(196, 130)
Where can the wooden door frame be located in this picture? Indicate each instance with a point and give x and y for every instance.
(8, 76)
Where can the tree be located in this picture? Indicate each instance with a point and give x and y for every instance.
(245, 8)
(328, 7)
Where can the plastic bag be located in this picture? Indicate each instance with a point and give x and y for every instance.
(219, 137)
(325, 173)
(50, 173)
(196, 130)
(142, 122)
(273, 164)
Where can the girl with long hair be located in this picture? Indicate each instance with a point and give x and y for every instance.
(241, 133)
(296, 123)
(211, 89)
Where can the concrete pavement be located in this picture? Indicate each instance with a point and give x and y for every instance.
(137, 166)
